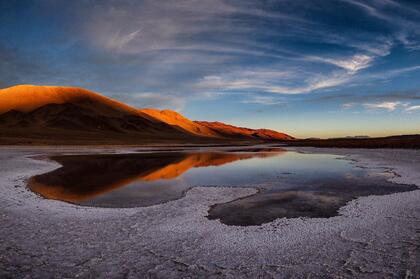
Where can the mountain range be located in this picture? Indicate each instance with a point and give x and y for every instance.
(31, 114)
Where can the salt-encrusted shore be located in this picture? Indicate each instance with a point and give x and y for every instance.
(374, 237)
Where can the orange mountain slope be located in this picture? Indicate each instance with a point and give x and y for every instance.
(231, 131)
(70, 115)
(174, 118)
(26, 98)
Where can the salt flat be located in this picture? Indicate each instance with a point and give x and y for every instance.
(374, 237)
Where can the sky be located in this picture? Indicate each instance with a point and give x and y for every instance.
(318, 68)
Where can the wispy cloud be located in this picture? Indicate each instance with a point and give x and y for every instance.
(257, 79)
(174, 25)
(412, 108)
(271, 81)
(118, 41)
(263, 100)
(348, 105)
(384, 74)
(399, 71)
(352, 65)
(371, 10)
(401, 18)
(390, 106)
(302, 82)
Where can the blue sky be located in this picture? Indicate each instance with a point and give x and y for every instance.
(309, 68)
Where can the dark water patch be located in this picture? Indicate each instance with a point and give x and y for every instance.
(320, 199)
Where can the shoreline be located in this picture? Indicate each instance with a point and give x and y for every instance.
(48, 238)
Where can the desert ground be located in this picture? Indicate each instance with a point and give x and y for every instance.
(373, 237)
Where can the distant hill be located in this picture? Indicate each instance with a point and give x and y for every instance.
(231, 131)
(401, 141)
(32, 114)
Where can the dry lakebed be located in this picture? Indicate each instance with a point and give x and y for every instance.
(209, 213)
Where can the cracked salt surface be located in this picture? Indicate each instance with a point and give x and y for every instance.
(374, 237)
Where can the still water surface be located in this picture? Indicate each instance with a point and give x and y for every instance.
(290, 184)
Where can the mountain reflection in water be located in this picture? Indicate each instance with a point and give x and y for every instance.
(84, 179)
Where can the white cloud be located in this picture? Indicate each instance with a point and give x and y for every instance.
(390, 106)
(384, 105)
(352, 64)
(271, 81)
(384, 75)
(410, 42)
(256, 79)
(369, 9)
(400, 71)
(412, 108)
(262, 100)
(118, 40)
(158, 25)
(348, 105)
(403, 18)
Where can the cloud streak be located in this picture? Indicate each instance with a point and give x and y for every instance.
(389, 106)
(263, 100)
(413, 108)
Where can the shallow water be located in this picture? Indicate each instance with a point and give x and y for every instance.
(291, 184)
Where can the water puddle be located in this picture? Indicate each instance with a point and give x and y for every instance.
(290, 184)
